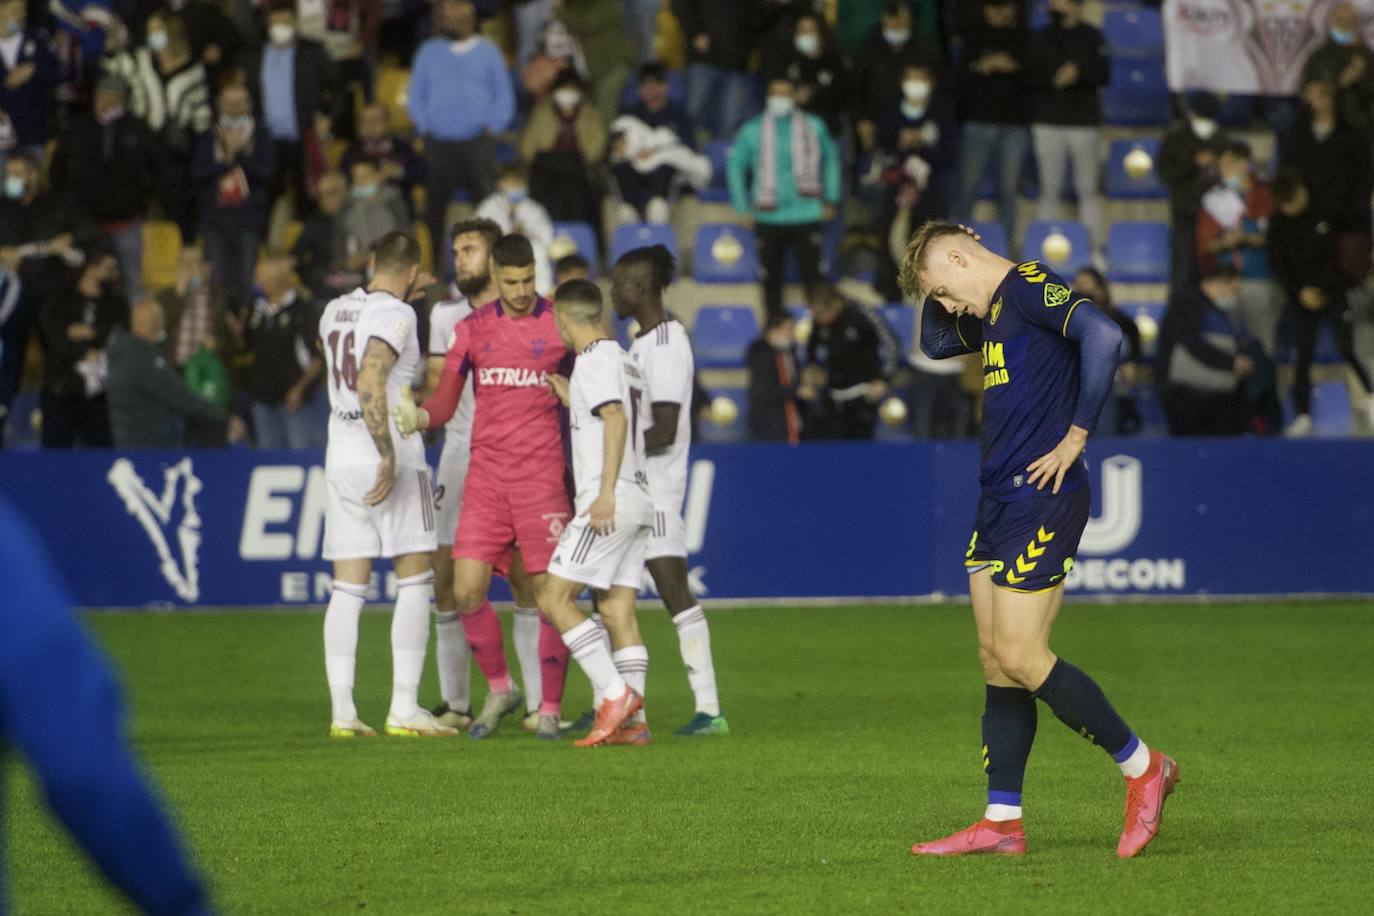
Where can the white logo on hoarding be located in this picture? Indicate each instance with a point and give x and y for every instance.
(1119, 524)
(154, 513)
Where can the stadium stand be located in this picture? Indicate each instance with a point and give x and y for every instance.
(721, 333)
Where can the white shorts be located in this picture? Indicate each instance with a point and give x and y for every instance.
(448, 489)
(402, 524)
(600, 561)
(668, 538)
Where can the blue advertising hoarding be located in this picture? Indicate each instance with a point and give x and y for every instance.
(1203, 517)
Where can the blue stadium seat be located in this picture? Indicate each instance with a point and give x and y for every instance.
(1080, 245)
(1147, 317)
(622, 329)
(718, 191)
(831, 236)
(463, 196)
(1153, 421)
(1039, 15)
(1120, 185)
(1331, 409)
(737, 431)
(994, 237)
(1134, 33)
(1027, 184)
(721, 334)
(583, 239)
(724, 253)
(1137, 95)
(506, 153)
(1138, 253)
(641, 235)
(1237, 111)
(902, 319)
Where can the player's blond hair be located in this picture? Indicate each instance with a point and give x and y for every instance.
(914, 257)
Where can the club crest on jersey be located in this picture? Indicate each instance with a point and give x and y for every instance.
(996, 312)
(1055, 295)
(538, 346)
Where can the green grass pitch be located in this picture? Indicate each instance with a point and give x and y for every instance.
(856, 732)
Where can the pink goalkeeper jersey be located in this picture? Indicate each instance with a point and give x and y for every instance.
(517, 432)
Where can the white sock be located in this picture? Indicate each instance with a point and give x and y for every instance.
(341, 647)
(1002, 813)
(633, 664)
(694, 641)
(584, 642)
(409, 639)
(454, 656)
(1134, 766)
(527, 651)
(606, 641)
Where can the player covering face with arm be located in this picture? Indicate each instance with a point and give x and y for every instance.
(603, 548)
(1049, 357)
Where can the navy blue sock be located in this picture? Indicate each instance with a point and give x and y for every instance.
(1008, 730)
(1077, 701)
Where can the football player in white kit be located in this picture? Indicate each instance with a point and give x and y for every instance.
(379, 498)
(602, 548)
(663, 353)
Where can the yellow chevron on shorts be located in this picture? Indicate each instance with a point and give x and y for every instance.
(1033, 551)
(1044, 536)
(1023, 567)
(1014, 579)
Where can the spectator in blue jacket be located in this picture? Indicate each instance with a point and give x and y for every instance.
(50, 672)
(233, 167)
(28, 72)
(460, 94)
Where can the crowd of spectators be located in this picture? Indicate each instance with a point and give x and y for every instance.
(257, 130)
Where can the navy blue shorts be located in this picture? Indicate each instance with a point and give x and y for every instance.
(1029, 543)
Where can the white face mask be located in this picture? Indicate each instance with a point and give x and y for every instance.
(1204, 128)
(567, 99)
(779, 106)
(157, 41)
(896, 36)
(807, 44)
(281, 33)
(916, 91)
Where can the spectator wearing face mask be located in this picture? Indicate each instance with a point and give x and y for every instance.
(784, 177)
(1306, 263)
(1069, 68)
(913, 164)
(401, 165)
(512, 208)
(460, 95)
(1201, 364)
(29, 70)
(774, 364)
(564, 142)
(374, 208)
(234, 166)
(1346, 62)
(111, 162)
(76, 321)
(813, 64)
(1232, 224)
(556, 51)
(887, 50)
(1187, 166)
(855, 21)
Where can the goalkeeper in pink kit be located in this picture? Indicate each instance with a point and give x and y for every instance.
(515, 494)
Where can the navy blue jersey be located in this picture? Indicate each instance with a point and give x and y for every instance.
(1036, 341)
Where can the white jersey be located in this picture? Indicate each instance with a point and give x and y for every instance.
(604, 374)
(443, 318)
(349, 322)
(664, 358)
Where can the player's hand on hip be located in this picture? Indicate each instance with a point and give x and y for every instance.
(406, 413)
(386, 479)
(601, 514)
(1056, 464)
(558, 384)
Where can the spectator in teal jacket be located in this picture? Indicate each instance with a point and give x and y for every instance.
(784, 175)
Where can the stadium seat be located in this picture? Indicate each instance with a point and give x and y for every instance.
(641, 235)
(994, 237)
(623, 329)
(1147, 317)
(1236, 110)
(735, 431)
(161, 249)
(1134, 33)
(831, 236)
(1027, 184)
(1120, 184)
(721, 334)
(505, 152)
(724, 253)
(718, 191)
(393, 91)
(1331, 409)
(575, 238)
(902, 319)
(1138, 253)
(1154, 423)
(1080, 245)
(1137, 95)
